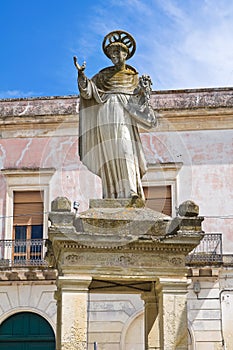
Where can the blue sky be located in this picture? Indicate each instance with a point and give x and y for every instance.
(180, 43)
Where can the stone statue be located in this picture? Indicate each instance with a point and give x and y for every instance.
(112, 104)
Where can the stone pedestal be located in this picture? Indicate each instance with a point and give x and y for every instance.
(119, 246)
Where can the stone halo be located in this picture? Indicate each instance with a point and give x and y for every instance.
(121, 37)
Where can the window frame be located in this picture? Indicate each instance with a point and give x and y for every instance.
(26, 180)
(25, 246)
(164, 174)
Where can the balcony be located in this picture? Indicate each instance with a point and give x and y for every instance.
(22, 253)
(208, 252)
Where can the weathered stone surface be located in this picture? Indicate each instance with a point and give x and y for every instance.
(160, 100)
(61, 204)
(185, 225)
(192, 98)
(124, 259)
(31, 275)
(61, 218)
(14, 276)
(50, 274)
(116, 203)
(189, 209)
(39, 106)
(188, 222)
(124, 221)
(121, 248)
(72, 310)
(109, 223)
(27, 274)
(112, 226)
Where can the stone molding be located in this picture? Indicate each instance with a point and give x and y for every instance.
(75, 283)
(143, 252)
(34, 296)
(160, 100)
(44, 175)
(178, 110)
(192, 98)
(22, 274)
(38, 106)
(172, 285)
(101, 254)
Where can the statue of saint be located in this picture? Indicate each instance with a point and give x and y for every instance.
(112, 104)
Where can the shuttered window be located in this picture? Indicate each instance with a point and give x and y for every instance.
(27, 225)
(28, 208)
(159, 198)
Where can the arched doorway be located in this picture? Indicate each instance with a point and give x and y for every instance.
(133, 337)
(26, 331)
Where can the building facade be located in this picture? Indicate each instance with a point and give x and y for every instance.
(189, 157)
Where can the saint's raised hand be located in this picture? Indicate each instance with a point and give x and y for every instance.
(79, 68)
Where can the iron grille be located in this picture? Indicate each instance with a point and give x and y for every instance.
(22, 253)
(208, 252)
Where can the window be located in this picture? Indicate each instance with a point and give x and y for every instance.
(27, 193)
(27, 225)
(159, 198)
(160, 187)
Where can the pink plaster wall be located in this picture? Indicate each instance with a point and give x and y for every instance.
(71, 178)
(206, 175)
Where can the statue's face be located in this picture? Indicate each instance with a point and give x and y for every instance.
(118, 55)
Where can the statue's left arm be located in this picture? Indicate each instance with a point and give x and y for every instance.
(139, 105)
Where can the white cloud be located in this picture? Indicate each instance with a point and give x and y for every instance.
(201, 51)
(181, 44)
(18, 94)
(174, 12)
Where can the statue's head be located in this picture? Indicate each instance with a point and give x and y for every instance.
(118, 53)
(121, 42)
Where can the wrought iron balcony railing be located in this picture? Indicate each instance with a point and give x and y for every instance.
(22, 253)
(208, 252)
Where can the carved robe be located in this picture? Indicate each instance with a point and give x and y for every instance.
(109, 141)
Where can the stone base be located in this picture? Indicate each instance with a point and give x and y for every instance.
(117, 203)
(122, 217)
(121, 246)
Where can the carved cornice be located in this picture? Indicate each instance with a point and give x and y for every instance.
(36, 275)
(145, 239)
(178, 110)
(192, 99)
(39, 106)
(161, 100)
(149, 246)
(14, 172)
(145, 256)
